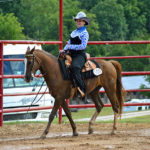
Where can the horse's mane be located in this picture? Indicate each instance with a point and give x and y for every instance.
(46, 53)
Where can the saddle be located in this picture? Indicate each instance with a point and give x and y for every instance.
(89, 64)
(91, 68)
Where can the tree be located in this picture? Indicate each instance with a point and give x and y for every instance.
(144, 6)
(70, 9)
(88, 4)
(10, 6)
(40, 19)
(10, 28)
(143, 86)
(112, 22)
(135, 19)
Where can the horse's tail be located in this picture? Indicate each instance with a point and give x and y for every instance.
(119, 88)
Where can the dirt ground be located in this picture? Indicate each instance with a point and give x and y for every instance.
(26, 137)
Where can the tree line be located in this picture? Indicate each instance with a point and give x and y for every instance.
(110, 20)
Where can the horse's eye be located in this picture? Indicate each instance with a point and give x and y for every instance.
(29, 62)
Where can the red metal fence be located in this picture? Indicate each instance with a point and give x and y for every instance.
(60, 43)
(71, 106)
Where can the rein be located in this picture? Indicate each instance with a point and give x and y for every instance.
(36, 96)
(44, 74)
(34, 58)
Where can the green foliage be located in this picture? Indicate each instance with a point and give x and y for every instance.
(40, 19)
(135, 19)
(10, 28)
(88, 4)
(143, 86)
(70, 9)
(144, 6)
(148, 78)
(111, 20)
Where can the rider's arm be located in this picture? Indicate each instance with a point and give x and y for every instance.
(67, 46)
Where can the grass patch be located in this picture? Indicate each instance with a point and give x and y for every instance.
(87, 113)
(24, 122)
(141, 119)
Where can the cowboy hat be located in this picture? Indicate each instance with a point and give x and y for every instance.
(81, 15)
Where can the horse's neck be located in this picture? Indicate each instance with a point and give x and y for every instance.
(49, 65)
(47, 60)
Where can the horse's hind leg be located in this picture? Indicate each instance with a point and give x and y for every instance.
(68, 114)
(111, 93)
(51, 117)
(115, 123)
(98, 104)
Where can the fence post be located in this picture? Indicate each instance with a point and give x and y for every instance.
(61, 23)
(60, 39)
(60, 115)
(1, 84)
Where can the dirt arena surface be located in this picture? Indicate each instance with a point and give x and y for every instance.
(26, 137)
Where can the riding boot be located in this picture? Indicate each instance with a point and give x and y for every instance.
(76, 74)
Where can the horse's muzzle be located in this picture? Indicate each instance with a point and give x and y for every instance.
(28, 79)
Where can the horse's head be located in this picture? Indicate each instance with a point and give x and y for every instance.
(32, 64)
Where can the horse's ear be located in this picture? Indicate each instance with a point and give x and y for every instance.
(28, 50)
(32, 50)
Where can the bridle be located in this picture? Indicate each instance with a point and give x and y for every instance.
(34, 59)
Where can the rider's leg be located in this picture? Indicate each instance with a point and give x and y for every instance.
(78, 62)
(76, 73)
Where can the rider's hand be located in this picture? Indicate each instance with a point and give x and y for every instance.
(61, 51)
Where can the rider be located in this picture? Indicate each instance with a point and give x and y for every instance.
(76, 47)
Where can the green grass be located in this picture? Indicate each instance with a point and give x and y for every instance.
(82, 113)
(87, 113)
(20, 122)
(141, 119)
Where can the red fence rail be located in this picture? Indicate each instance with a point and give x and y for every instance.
(70, 106)
(121, 57)
(117, 42)
(22, 94)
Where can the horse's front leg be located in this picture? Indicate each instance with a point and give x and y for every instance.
(51, 117)
(68, 114)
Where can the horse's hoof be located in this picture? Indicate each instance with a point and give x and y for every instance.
(90, 131)
(43, 137)
(75, 134)
(113, 133)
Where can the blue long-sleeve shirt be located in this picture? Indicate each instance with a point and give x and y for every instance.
(84, 37)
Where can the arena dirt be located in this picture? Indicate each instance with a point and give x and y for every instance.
(26, 137)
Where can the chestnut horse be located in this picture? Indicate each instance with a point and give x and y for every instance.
(60, 89)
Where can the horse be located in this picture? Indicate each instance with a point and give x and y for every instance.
(60, 89)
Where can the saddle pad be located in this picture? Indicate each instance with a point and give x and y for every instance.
(66, 74)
